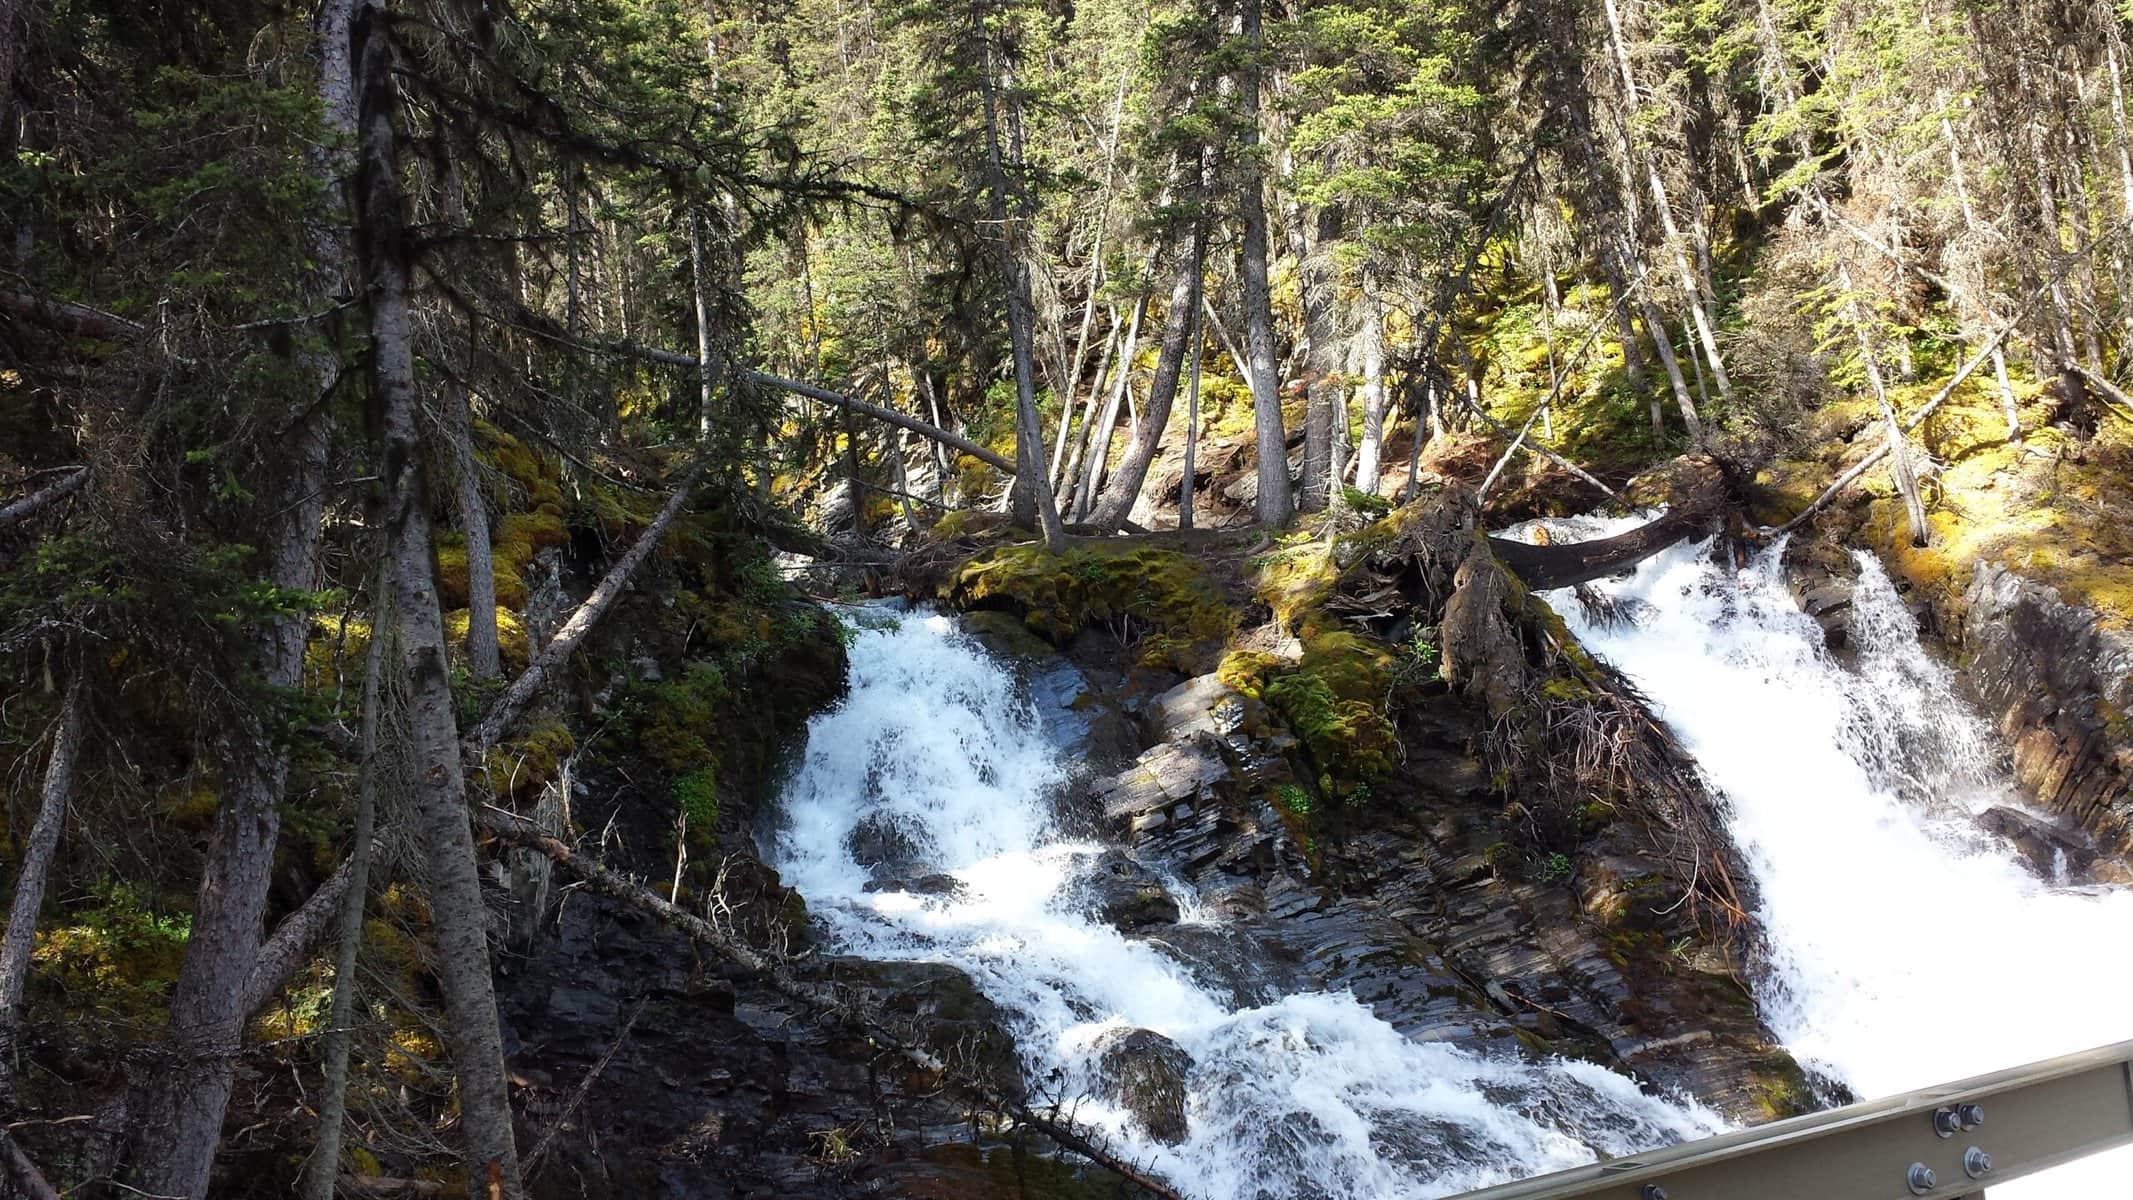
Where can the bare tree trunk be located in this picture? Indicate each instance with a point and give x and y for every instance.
(1192, 413)
(177, 1108)
(1322, 387)
(30, 877)
(333, 1102)
(1033, 500)
(1696, 291)
(1099, 441)
(11, 21)
(706, 378)
(1116, 503)
(459, 922)
(1367, 467)
(483, 655)
(1275, 503)
(1066, 483)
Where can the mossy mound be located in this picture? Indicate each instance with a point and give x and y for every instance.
(2052, 506)
(1161, 601)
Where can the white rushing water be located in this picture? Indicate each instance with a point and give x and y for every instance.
(1308, 1096)
(1908, 949)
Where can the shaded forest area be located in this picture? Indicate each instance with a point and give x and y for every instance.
(409, 411)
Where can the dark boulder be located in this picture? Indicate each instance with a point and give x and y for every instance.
(1145, 1073)
(1119, 890)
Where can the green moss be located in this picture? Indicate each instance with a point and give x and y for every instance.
(680, 717)
(1782, 1087)
(1158, 599)
(1246, 671)
(696, 796)
(113, 961)
(525, 764)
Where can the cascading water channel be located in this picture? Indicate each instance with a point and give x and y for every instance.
(1907, 948)
(937, 751)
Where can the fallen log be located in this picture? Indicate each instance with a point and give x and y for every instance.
(1567, 564)
(1695, 494)
(890, 415)
(528, 685)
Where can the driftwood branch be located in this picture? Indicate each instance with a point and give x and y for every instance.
(530, 323)
(79, 320)
(513, 702)
(43, 497)
(605, 881)
(1519, 442)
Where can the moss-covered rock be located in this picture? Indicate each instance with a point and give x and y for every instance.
(1160, 600)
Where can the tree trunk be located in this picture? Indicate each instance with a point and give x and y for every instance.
(1098, 443)
(333, 1101)
(1116, 503)
(1032, 493)
(34, 869)
(1066, 482)
(706, 378)
(483, 655)
(1367, 468)
(1322, 386)
(1696, 291)
(177, 1108)
(458, 920)
(1194, 351)
(1899, 458)
(1275, 504)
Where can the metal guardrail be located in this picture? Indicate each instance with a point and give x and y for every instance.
(1948, 1141)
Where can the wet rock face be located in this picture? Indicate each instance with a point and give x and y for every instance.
(2060, 686)
(1118, 889)
(2053, 853)
(1422, 908)
(1145, 1073)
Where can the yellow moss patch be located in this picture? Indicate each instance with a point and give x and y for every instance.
(116, 961)
(1246, 671)
(511, 643)
(2054, 510)
(334, 653)
(190, 804)
(1294, 583)
(525, 764)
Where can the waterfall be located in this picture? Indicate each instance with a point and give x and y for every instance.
(1907, 948)
(937, 752)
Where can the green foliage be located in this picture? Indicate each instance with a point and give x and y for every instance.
(1294, 798)
(114, 958)
(1556, 868)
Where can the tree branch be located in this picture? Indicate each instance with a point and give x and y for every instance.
(43, 497)
(522, 691)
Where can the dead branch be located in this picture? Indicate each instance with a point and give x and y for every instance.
(22, 1172)
(1879, 452)
(43, 497)
(577, 1095)
(513, 702)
